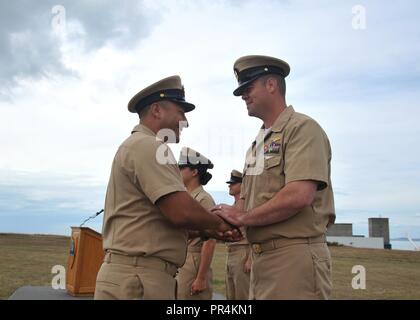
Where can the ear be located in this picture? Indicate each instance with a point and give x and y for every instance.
(194, 172)
(271, 85)
(156, 110)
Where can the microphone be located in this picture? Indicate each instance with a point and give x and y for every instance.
(91, 217)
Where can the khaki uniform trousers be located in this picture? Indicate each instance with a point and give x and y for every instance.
(291, 269)
(237, 281)
(129, 277)
(188, 273)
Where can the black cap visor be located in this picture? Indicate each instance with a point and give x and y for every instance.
(240, 90)
(183, 104)
(247, 76)
(174, 95)
(234, 180)
(195, 166)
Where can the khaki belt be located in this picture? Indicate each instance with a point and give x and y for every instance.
(194, 249)
(284, 242)
(144, 262)
(237, 247)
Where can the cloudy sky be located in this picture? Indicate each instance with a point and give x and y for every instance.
(68, 69)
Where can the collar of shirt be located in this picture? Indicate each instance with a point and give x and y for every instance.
(277, 126)
(282, 119)
(196, 191)
(143, 129)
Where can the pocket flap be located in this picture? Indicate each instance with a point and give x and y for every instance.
(272, 162)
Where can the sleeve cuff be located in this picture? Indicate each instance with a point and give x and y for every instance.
(321, 181)
(156, 195)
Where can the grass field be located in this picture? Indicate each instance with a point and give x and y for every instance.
(390, 274)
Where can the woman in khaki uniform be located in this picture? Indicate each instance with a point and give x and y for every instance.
(195, 277)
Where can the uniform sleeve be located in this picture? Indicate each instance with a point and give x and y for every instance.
(154, 178)
(307, 154)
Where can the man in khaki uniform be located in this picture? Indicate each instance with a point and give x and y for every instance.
(286, 189)
(147, 208)
(196, 276)
(238, 259)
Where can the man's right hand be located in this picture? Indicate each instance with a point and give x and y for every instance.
(183, 211)
(225, 232)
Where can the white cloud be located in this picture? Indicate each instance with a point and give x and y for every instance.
(30, 43)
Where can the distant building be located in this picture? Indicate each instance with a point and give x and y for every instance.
(379, 227)
(342, 233)
(340, 230)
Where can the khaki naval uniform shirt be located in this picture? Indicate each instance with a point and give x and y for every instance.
(133, 224)
(188, 273)
(296, 148)
(207, 202)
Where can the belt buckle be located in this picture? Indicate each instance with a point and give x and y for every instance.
(257, 248)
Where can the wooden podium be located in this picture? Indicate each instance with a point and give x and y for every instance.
(85, 259)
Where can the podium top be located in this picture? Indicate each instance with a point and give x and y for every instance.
(86, 229)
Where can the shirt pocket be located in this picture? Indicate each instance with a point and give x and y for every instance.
(271, 180)
(272, 161)
(273, 173)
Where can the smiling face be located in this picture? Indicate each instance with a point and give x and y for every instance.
(171, 117)
(256, 97)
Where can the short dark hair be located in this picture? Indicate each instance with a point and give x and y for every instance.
(281, 82)
(146, 109)
(203, 175)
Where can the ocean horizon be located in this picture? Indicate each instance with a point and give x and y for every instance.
(404, 245)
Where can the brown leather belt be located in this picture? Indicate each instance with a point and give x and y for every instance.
(142, 262)
(237, 247)
(284, 242)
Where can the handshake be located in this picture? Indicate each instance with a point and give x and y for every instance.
(230, 221)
